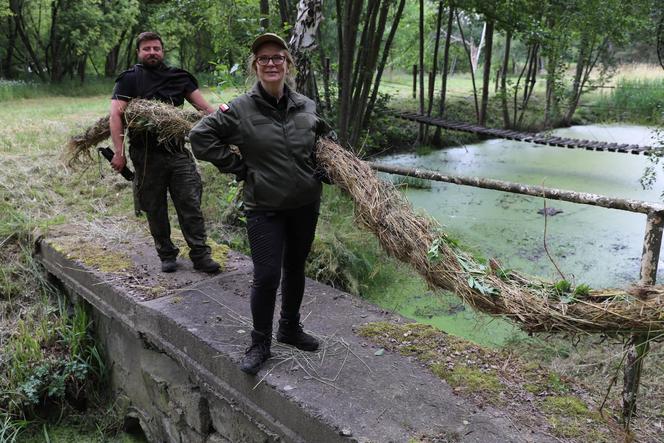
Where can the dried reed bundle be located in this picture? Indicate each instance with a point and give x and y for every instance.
(167, 122)
(537, 305)
(79, 146)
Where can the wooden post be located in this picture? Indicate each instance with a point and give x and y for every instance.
(414, 81)
(638, 344)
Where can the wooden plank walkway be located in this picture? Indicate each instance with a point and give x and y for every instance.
(572, 143)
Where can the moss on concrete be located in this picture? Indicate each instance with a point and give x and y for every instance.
(499, 378)
(93, 255)
(469, 379)
(219, 251)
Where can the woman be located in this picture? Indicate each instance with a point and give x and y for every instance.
(275, 129)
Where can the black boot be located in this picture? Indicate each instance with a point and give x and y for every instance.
(169, 265)
(257, 353)
(290, 332)
(207, 265)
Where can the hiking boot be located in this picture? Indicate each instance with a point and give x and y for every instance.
(169, 265)
(291, 333)
(207, 265)
(257, 353)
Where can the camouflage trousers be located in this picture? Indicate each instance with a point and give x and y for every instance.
(159, 172)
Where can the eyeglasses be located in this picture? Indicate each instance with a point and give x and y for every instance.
(264, 60)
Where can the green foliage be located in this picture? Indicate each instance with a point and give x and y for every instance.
(564, 291)
(9, 428)
(69, 32)
(556, 384)
(434, 254)
(200, 32)
(582, 290)
(223, 77)
(341, 256)
(562, 287)
(639, 101)
(49, 360)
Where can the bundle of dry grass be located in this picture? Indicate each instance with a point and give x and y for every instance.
(168, 122)
(79, 146)
(537, 305)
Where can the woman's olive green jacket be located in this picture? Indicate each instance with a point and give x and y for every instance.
(277, 158)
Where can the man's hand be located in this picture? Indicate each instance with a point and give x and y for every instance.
(119, 161)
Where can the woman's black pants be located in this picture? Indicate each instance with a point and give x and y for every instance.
(279, 240)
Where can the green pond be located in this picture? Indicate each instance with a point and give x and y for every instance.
(597, 246)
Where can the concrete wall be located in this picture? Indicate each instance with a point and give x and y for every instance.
(173, 344)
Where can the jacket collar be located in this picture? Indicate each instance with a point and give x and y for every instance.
(295, 100)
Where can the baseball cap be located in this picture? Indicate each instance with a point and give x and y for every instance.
(267, 38)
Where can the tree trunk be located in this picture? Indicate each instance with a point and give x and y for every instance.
(486, 78)
(303, 41)
(348, 16)
(420, 136)
(472, 71)
(325, 65)
(445, 71)
(368, 66)
(503, 80)
(113, 57)
(36, 65)
(434, 69)
(383, 60)
(265, 15)
(285, 12)
(80, 67)
(586, 62)
(477, 51)
(56, 67)
(529, 85)
(7, 63)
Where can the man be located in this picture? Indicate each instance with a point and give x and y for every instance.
(167, 166)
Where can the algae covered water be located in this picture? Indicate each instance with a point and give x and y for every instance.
(597, 246)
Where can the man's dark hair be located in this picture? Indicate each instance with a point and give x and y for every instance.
(147, 36)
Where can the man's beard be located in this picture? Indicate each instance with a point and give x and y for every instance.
(149, 63)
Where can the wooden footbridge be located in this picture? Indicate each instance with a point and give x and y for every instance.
(539, 139)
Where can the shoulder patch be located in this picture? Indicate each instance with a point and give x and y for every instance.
(224, 107)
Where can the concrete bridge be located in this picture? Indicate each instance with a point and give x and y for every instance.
(173, 343)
